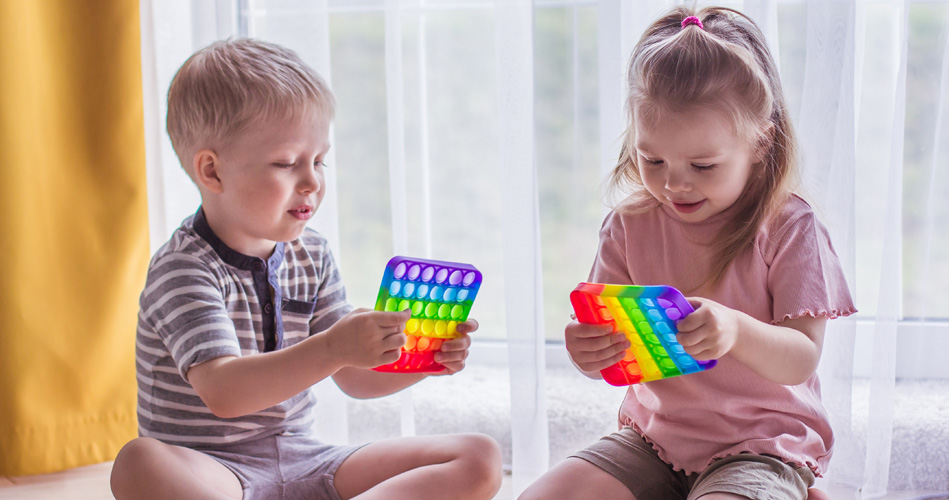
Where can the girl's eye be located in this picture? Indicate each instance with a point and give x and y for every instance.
(703, 167)
(283, 165)
(652, 162)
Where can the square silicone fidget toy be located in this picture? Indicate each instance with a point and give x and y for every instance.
(647, 315)
(440, 295)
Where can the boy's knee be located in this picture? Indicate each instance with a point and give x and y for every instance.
(484, 449)
(484, 460)
(129, 462)
(138, 450)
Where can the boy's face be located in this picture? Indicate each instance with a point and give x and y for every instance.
(271, 183)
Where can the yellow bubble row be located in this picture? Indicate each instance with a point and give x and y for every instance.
(431, 328)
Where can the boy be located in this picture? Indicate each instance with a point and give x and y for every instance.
(243, 310)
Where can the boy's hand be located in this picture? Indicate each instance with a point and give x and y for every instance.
(710, 332)
(594, 347)
(366, 338)
(454, 352)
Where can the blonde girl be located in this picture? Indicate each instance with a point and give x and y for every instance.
(707, 167)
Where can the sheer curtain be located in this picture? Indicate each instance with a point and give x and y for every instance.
(480, 131)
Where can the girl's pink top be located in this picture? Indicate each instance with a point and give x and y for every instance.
(791, 271)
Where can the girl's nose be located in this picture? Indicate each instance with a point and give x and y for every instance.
(677, 180)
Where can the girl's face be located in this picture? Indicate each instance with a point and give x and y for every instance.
(693, 162)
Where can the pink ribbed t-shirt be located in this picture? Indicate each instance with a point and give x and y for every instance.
(791, 271)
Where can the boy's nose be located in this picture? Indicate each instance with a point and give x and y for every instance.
(311, 182)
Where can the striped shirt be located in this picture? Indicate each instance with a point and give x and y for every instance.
(203, 300)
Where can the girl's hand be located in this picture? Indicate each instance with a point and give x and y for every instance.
(594, 347)
(710, 332)
(454, 352)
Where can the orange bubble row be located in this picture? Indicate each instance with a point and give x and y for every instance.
(415, 343)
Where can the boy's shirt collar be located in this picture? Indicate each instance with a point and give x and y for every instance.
(231, 256)
(263, 274)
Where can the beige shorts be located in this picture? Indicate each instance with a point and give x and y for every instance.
(284, 466)
(626, 456)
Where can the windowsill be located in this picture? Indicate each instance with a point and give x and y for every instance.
(920, 351)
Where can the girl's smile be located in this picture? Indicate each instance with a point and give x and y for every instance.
(687, 208)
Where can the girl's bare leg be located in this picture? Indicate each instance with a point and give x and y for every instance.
(577, 479)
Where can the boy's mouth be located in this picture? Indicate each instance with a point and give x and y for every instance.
(302, 213)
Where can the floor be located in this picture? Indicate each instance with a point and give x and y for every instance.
(92, 483)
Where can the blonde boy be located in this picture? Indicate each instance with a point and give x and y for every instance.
(244, 310)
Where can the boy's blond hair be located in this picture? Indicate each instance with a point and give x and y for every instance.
(724, 65)
(232, 84)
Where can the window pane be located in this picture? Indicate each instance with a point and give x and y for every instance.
(926, 165)
(568, 156)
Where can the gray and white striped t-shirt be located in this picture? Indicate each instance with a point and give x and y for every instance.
(203, 300)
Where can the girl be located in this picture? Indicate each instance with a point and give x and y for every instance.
(706, 166)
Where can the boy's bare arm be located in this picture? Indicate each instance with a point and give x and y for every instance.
(364, 383)
(234, 386)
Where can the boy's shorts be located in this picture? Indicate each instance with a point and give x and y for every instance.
(626, 456)
(284, 467)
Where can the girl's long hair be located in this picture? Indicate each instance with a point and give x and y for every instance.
(726, 67)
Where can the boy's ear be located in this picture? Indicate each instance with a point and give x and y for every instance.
(206, 166)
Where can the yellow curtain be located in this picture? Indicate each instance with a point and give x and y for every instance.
(73, 230)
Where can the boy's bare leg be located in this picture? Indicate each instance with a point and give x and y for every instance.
(458, 466)
(147, 469)
(576, 478)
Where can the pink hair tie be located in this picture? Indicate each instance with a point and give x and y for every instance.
(692, 20)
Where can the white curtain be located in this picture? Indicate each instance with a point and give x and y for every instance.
(480, 131)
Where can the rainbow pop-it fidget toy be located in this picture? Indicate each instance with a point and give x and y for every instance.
(439, 294)
(647, 315)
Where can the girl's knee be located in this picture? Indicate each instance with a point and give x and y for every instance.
(816, 494)
(533, 492)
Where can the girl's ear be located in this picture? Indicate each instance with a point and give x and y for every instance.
(206, 165)
(764, 144)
